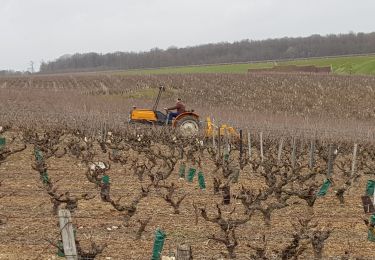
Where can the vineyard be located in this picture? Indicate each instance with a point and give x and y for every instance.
(296, 184)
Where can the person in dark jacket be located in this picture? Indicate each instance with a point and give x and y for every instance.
(179, 107)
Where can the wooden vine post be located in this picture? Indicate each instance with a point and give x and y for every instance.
(249, 143)
(330, 161)
(280, 150)
(67, 234)
(184, 252)
(261, 146)
(218, 142)
(312, 152)
(293, 152)
(241, 148)
(213, 134)
(103, 131)
(226, 149)
(355, 148)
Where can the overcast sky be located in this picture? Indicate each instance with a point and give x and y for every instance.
(46, 29)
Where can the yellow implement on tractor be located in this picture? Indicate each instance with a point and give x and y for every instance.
(188, 122)
(223, 130)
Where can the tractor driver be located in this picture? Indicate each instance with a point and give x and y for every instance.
(180, 107)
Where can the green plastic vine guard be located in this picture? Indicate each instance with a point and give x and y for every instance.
(370, 187)
(201, 181)
(191, 174)
(2, 142)
(44, 177)
(105, 179)
(182, 170)
(38, 155)
(323, 190)
(60, 252)
(158, 244)
(371, 230)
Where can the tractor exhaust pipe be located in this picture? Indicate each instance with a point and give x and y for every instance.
(161, 88)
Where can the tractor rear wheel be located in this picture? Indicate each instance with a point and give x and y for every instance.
(188, 125)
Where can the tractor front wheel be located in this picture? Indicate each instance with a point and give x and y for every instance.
(188, 125)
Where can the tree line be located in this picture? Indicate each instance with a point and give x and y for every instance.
(13, 72)
(224, 52)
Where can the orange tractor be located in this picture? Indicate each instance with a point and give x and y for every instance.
(188, 122)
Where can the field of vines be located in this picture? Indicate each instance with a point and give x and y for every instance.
(296, 184)
(298, 102)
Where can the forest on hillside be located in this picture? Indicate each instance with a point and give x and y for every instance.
(224, 52)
